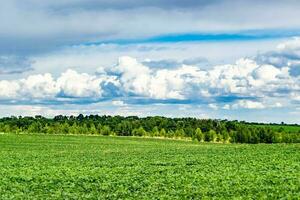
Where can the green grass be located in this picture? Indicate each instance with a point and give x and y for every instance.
(76, 167)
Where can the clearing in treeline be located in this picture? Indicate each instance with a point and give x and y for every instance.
(74, 167)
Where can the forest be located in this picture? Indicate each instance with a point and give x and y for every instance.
(202, 130)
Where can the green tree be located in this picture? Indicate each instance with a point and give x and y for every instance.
(210, 136)
(163, 132)
(50, 129)
(219, 138)
(105, 130)
(155, 132)
(170, 134)
(139, 131)
(93, 129)
(199, 135)
(179, 133)
(73, 129)
(65, 128)
(82, 128)
(277, 137)
(225, 136)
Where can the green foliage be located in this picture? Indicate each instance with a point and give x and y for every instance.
(84, 167)
(105, 130)
(163, 132)
(210, 136)
(199, 135)
(155, 132)
(92, 129)
(226, 136)
(211, 130)
(179, 133)
(139, 131)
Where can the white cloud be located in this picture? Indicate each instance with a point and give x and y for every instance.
(245, 79)
(93, 58)
(226, 107)
(8, 89)
(134, 76)
(213, 106)
(39, 86)
(295, 96)
(292, 45)
(266, 72)
(118, 103)
(74, 84)
(248, 104)
(277, 105)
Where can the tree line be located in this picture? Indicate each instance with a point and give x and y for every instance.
(202, 130)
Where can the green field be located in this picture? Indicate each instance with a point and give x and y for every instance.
(97, 167)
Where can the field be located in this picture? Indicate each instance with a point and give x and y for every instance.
(97, 167)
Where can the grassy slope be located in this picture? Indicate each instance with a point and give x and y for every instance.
(115, 167)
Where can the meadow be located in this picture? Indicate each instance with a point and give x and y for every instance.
(103, 167)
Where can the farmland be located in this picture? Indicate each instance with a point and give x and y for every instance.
(57, 166)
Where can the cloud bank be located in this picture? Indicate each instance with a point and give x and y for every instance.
(269, 80)
(49, 24)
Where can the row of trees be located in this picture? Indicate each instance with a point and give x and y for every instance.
(198, 129)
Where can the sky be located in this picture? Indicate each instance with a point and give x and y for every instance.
(221, 59)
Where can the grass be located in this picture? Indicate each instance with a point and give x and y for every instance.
(77, 167)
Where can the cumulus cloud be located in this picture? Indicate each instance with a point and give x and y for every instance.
(287, 54)
(9, 89)
(69, 84)
(74, 84)
(38, 86)
(266, 72)
(129, 77)
(248, 83)
(134, 76)
(248, 104)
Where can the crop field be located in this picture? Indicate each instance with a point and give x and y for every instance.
(98, 167)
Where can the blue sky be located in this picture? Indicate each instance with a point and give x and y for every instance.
(204, 37)
(207, 59)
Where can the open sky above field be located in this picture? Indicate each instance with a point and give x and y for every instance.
(208, 59)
